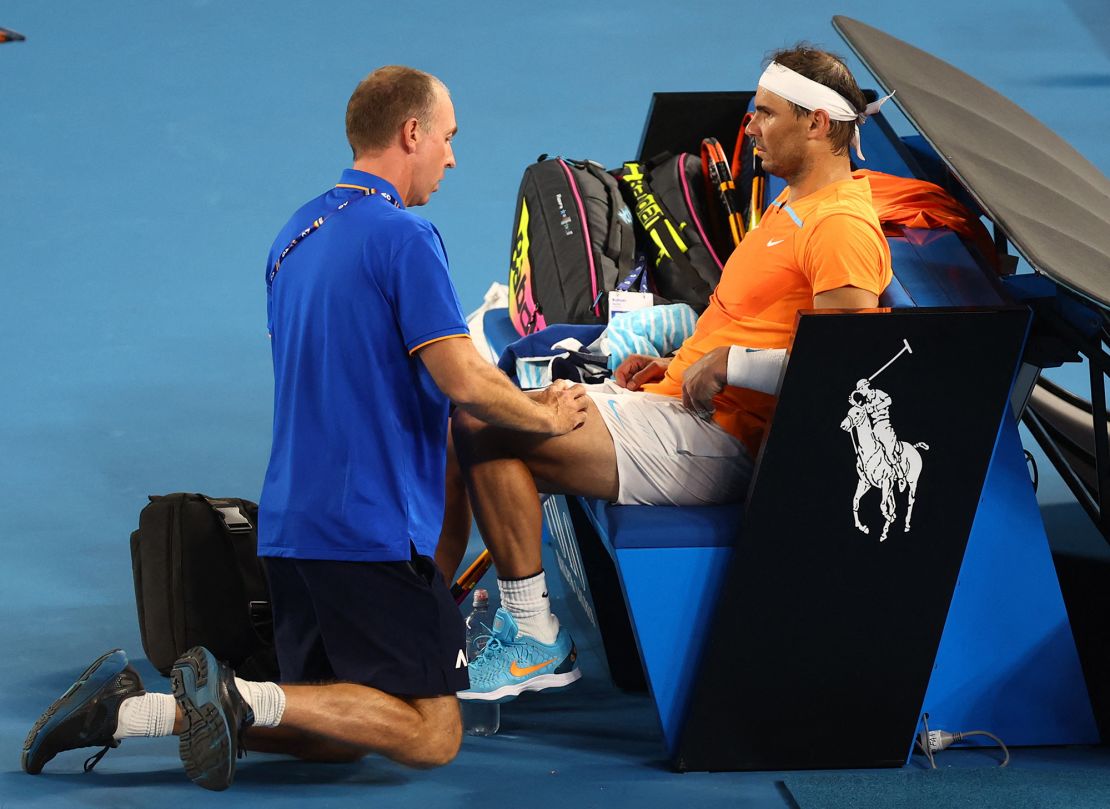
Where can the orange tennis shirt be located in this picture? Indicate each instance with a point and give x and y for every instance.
(826, 240)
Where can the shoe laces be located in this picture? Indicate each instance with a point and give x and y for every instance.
(489, 640)
(247, 719)
(240, 748)
(94, 759)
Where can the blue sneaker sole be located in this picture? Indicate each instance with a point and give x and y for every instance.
(102, 671)
(205, 741)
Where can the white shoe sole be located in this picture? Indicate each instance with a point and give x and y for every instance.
(538, 683)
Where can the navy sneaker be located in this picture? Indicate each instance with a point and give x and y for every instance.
(215, 716)
(86, 715)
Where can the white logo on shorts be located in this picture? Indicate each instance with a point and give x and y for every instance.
(460, 661)
(613, 406)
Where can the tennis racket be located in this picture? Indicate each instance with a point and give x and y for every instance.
(719, 176)
(748, 173)
(471, 576)
(737, 165)
(759, 191)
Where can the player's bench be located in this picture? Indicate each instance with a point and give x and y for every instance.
(776, 634)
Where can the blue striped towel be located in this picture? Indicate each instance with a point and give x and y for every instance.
(655, 331)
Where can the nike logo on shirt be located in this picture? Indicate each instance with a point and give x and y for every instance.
(773, 242)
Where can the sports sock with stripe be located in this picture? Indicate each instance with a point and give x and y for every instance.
(526, 600)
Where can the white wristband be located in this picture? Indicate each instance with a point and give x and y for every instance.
(755, 368)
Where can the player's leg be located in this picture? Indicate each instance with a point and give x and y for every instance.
(502, 468)
(633, 448)
(504, 471)
(457, 518)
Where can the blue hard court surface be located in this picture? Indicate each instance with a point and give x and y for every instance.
(148, 153)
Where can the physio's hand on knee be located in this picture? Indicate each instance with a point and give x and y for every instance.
(703, 380)
(567, 403)
(638, 370)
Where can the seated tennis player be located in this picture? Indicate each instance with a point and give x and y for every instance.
(685, 430)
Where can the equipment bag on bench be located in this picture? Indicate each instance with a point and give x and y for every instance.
(199, 581)
(573, 241)
(668, 200)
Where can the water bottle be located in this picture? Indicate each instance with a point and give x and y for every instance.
(479, 718)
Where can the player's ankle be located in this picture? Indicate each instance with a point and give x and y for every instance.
(543, 627)
(528, 602)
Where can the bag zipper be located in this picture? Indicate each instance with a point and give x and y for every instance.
(596, 295)
(680, 166)
(177, 618)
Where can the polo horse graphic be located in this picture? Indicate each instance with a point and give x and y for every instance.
(881, 459)
(875, 471)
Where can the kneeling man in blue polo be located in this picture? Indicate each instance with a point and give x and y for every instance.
(370, 349)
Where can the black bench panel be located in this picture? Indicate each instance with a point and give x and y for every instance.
(815, 613)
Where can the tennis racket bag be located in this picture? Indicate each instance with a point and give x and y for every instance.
(573, 241)
(669, 203)
(199, 581)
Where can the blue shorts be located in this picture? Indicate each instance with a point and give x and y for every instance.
(389, 625)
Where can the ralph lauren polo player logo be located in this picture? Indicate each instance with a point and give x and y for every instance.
(882, 461)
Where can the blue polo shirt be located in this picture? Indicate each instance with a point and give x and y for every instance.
(357, 466)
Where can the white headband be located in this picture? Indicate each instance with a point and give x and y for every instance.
(812, 95)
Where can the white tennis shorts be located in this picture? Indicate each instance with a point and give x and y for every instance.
(667, 456)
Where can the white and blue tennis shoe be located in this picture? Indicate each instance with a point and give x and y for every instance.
(510, 665)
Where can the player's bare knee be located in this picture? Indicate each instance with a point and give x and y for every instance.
(473, 438)
(463, 427)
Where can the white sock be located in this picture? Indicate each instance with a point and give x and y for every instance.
(146, 715)
(526, 600)
(267, 700)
